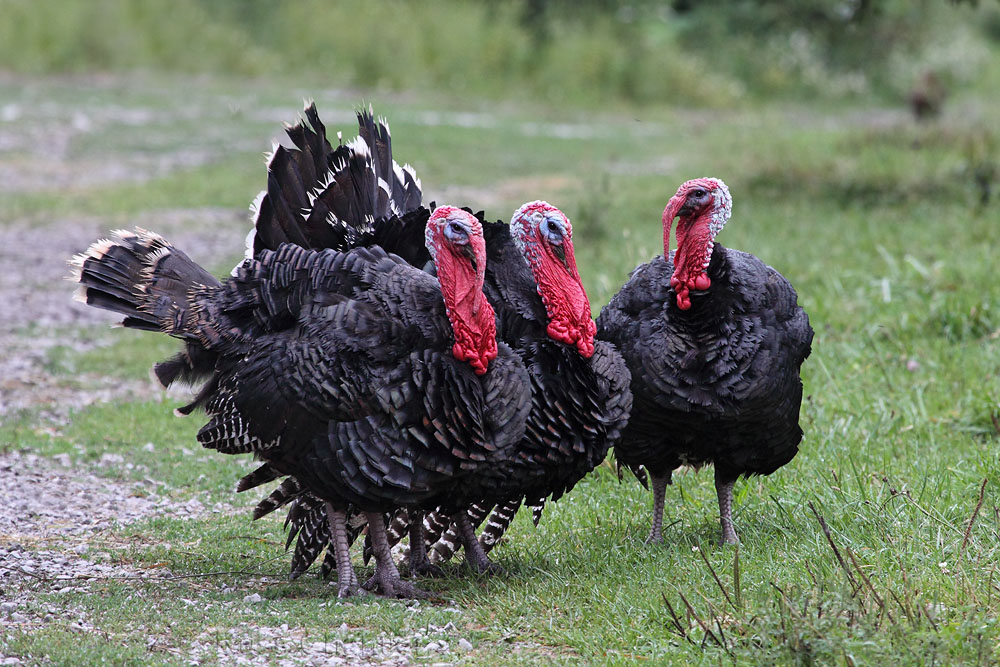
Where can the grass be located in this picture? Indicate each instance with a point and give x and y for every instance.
(872, 545)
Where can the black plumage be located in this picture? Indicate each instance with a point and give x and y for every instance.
(336, 368)
(579, 402)
(716, 381)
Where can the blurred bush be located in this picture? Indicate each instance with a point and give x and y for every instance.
(590, 52)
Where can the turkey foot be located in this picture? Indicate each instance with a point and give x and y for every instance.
(725, 491)
(386, 580)
(347, 579)
(474, 553)
(659, 494)
(420, 565)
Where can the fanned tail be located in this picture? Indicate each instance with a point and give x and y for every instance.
(319, 196)
(139, 275)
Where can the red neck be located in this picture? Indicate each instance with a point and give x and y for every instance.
(694, 239)
(565, 300)
(472, 318)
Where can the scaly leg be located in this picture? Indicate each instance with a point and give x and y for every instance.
(725, 490)
(498, 523)
(659, 495)
(347, 580)
(474, 554)
(419, 564)
(386, 578)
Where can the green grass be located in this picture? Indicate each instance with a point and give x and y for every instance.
(877, 223)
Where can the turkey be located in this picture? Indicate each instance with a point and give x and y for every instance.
(580, 395)
(580, 387)
(714, 339)
(371, 384)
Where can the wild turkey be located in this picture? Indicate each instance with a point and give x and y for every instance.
(371, 383)
(714, 339)
(580, 387)
(580, 393)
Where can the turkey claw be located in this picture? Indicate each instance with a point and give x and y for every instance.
(426, 570)
(347, 591)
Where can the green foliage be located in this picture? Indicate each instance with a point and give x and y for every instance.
(708, 54)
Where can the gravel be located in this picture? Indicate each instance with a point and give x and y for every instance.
(37, 312)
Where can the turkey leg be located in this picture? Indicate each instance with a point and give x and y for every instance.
(724, 488)
(386, 578)
(419, 563)
(347, 580)
(659, 494)
(498, 523)
(474, 554)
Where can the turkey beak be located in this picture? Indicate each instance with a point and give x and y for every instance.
(686, 210)
(560, 253)
(470, 254)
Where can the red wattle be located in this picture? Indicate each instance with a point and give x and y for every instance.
(693, 239)
(566, 303)
(473, 320)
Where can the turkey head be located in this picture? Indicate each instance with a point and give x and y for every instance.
(703, 206)
(454, 239)
(544, 236)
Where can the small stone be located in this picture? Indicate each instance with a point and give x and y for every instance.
(343, 628)
(18, 617)
(253, 597)
(8, 607)
(464, 644)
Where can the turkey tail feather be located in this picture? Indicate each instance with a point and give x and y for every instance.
(141, 276)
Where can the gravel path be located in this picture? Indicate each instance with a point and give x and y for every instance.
(37, 312)
(55, 527)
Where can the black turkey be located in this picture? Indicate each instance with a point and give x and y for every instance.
(372, 384)
(714, 339)
(580, 391)
(579, 387)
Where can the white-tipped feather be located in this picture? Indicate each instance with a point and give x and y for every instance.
(269, 156)
(97, 249)
(76, 267)
(328, 179)
(248, 252)
(358, 146)
(123, 234)
(255, 205)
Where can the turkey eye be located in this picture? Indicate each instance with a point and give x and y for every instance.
(698, 193)
(552, 232)
(456, 233)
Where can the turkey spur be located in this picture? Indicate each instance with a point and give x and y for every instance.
(373, 384)
(714, 339)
